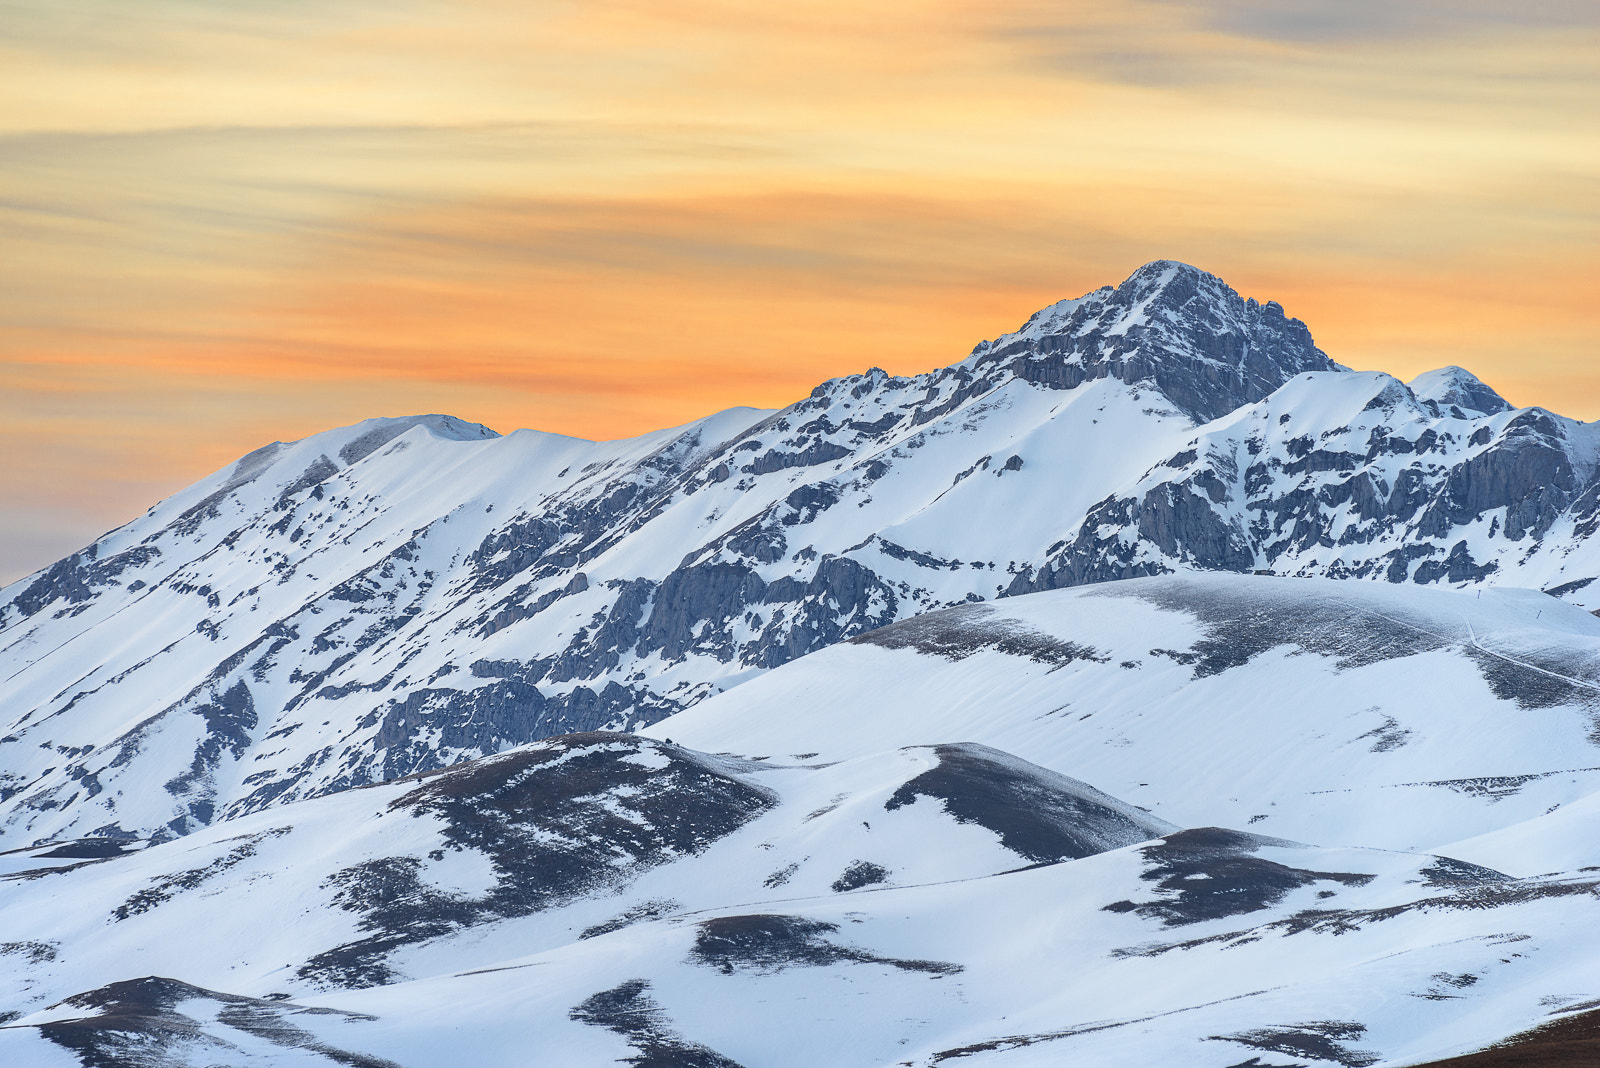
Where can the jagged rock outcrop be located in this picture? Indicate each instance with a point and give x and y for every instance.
(1180, 331)
(1392, 490)
(406, 594)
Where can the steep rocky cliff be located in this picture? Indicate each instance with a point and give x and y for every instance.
(408, 593)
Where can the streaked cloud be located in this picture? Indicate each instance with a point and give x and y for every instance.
(1339, 20)
(232, 222)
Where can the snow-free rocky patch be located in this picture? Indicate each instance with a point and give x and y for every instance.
(769, 739)
(407, 594)
(799, 877)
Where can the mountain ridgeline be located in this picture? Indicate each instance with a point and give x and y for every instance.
(851, 891)
(407, 594)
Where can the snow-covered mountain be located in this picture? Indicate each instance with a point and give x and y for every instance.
(409, 593)
(848, 861)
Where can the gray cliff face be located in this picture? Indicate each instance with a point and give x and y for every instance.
(1393, 493)
(407, 594)
(1455, 391)
(1179, 330)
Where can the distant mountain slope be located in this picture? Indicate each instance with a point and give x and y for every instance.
(406, 594)
(1356, 476)
(882, 897)
(1323, 711)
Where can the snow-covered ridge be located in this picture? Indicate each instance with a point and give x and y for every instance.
(1171, 327)
(850, 861)
(406, 594)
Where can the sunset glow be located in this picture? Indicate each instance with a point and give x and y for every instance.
(226, 223)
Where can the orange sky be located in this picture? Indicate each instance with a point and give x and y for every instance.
(224, 223)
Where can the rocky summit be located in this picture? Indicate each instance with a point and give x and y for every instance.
(1144, 688)
(407, 594)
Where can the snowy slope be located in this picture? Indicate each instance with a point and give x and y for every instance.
(1355, 475)
(406, 594)
(1344, 957)
(840, 863)
(1340, 713)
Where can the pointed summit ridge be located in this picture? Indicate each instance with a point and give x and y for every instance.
(402, 594)
(1175, 328)
(1457, 387)
(1157, 275)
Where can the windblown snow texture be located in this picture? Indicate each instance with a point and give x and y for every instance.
(808, 881)
(768, 740)
(406, 594)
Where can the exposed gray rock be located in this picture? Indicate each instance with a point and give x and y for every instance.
(1196, 341)
(343, 657)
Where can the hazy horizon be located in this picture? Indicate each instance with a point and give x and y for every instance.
(227, 225)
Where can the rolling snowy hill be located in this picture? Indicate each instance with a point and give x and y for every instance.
(409, 593)
(888, 853)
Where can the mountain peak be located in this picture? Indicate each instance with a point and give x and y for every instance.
(1457, 387)
(1174, 285)
(1169, 326)
(1157, 274)
(372, 434)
